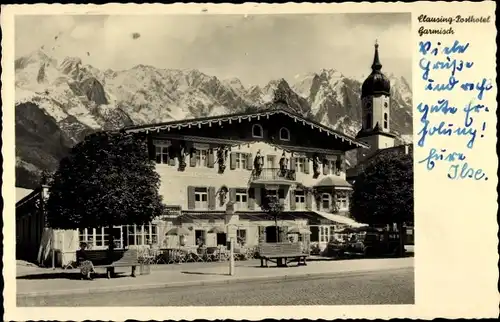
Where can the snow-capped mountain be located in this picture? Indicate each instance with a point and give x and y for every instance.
(59, 102)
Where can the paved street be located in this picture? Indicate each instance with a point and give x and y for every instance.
(392, 286)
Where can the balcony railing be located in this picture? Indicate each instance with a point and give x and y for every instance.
(273, 174)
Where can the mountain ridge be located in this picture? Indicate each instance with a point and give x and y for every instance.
(76, 99)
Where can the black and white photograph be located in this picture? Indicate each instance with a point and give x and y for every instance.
(214, 160)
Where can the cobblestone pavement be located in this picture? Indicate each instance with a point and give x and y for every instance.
(50, 282)
(393, 286)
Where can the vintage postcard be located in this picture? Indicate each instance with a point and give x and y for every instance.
(249, 161)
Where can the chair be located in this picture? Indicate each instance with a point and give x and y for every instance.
(211, 254)
(200, 254)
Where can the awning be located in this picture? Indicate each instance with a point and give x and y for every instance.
(333, 181)
(340, 219)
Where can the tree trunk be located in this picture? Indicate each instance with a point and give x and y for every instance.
(277, 228)
(401, 239)
(111, 246)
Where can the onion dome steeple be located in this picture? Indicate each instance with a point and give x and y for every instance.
(376, 83)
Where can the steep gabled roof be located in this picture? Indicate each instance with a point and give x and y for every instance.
(229, 118)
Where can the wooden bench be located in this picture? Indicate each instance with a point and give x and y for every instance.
(120, 258)
(283, 253)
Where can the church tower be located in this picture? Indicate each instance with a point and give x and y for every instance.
(376, 111)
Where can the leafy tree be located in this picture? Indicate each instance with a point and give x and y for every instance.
(108, 179)
(273, 207)
(383, 192)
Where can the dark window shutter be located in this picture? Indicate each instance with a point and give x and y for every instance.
(151, 148)
(325, 167)
(211, 158)
(192, 158)
(306, 165)
(232, 194)
(211, 198)
(191, 201)
(292, 200)
(293, 163)
(251, 199)
(309, 199)
(249, 161)
(232, 160)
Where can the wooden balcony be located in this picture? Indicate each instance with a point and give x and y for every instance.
(273, 176)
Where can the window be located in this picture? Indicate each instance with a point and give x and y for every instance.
(272, 192)
(200, 237)
(301, 164)
(332, 233)
(324, 234)
(386, 121)
(241, 160)
(284, 134)
(270, 159)
(257, 131)
(201, 158)
(161, 153)
(86, 236)
(300, 199)
(241, 199)
(368, 120)
(201, 198)
(241, 236)
(342, 202)
(331, 166)
(140, 235)
(325, 201)
(98, 238)
(386, 104)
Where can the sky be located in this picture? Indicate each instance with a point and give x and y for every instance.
(253, 48)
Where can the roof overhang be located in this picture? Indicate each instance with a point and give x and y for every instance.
(238, 118)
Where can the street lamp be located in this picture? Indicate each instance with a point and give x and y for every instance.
(229, 214)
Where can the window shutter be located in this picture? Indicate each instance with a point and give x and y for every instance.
(293, 163)
(342, 162)
(232, 194)
(151, 148)
(309, 201)
(192, 158)
(283, 233)
(211, 158)
(281, 196)
(190, 192)
(306, 165)
(251, 199)
(325, 167)
(232, 160)
(262, 234)
(249, 161)
(336, 165)
(292, 200)
(211, 198)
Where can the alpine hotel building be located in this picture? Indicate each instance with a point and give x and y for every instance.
(217, 171)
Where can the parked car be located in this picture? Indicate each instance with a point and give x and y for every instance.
(370, 242)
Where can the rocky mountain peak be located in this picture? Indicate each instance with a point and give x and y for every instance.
(81, 99)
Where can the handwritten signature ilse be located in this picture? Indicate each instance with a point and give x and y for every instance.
(438, 118)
